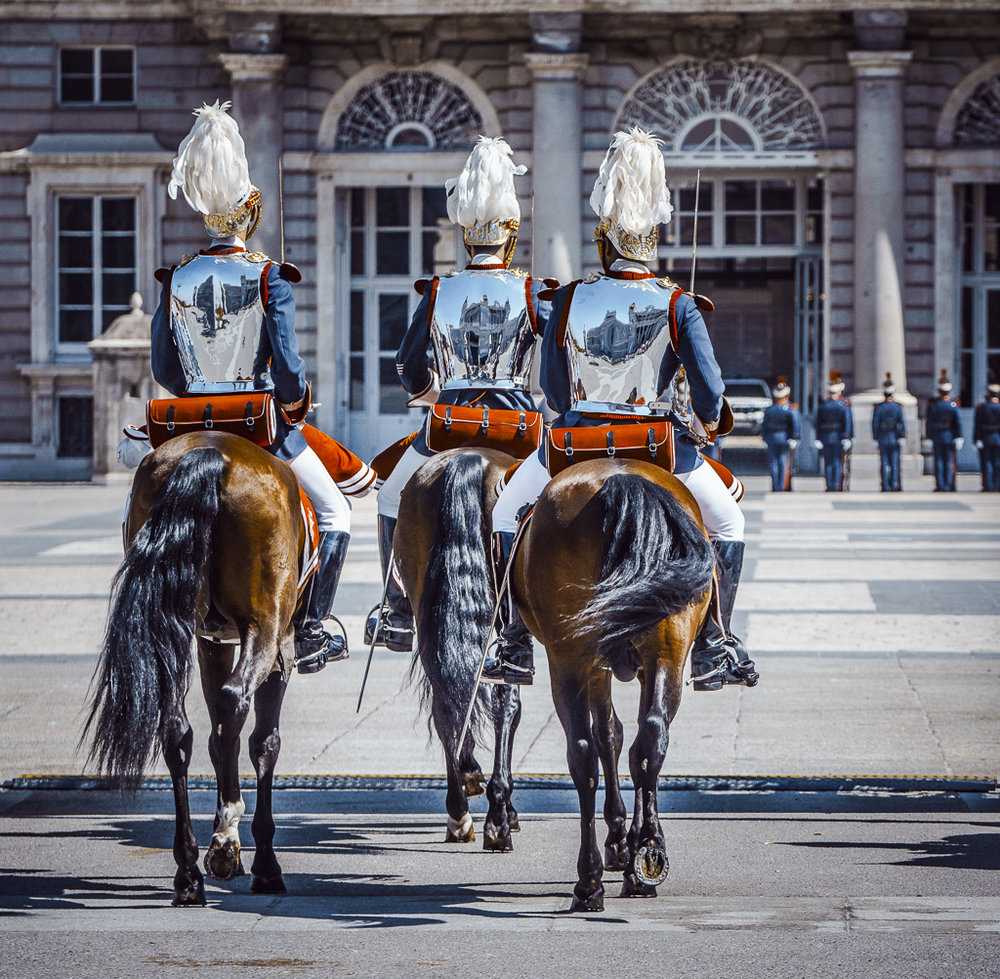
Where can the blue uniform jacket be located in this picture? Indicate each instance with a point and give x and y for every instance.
(944, 423)
(986, 423)
(781, 422)
(834, 421)
(888, 426)
(414, 358)
(279, 348)
(694, 351)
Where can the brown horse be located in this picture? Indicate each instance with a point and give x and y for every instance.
(614, 578)
(441, 547)
(214, 535)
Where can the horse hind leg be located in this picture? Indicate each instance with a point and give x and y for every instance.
(506, 703)
(189, 884)
(228, 706)
(264, 745)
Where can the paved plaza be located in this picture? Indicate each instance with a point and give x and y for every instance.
(873, 618)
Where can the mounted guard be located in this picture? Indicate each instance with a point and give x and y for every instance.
(613, 345)
(225, 327)
(466, 354)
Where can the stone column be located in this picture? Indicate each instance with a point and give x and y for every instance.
(556, 150)
(878, 217)
(257, 107)
(879, 257)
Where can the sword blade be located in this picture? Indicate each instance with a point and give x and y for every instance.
(375, 631)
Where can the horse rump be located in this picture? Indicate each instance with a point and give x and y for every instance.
(144, 668)
(656, 561)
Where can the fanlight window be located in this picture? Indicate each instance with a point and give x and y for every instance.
(711, 107)
(409, 110)
(978, 122)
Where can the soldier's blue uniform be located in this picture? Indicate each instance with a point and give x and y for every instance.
(944, 429)
(781, 430)
(986, 435)
(888, 431)
(834, 426)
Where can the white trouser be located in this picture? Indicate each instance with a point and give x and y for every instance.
(524, 486)
(392, 488)
(720, 513)
(333, 511)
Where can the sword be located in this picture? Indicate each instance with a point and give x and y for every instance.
(694, 230)
(281, 207)
(375, 631)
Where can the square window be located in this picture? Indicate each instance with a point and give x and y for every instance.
(76, 428)
(91, 76)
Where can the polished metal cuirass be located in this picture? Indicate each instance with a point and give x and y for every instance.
(217, 318)
(480, 330)
(617, 334)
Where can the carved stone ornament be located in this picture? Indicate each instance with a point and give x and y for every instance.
(978, 121)
(719, 39)
(727, 99)
(416, 109)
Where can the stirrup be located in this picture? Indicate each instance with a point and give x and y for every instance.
(498, 669)
(398, 639)
(332, 650)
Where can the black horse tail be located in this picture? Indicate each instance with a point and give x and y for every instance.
(144, 669)
(458, 596)
(657, 561)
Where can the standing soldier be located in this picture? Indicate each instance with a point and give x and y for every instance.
(986, 435)
(889, 433)
(781, 429)
(835, 435)
(944, 429)
(245, 300)
(469, 342)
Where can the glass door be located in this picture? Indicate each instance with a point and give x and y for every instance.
(396, 236)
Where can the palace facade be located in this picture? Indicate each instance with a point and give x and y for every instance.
(845, 166)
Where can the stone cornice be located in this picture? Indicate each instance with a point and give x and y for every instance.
(244, 68)
(879, 64)
(95, 10)
(552, 66)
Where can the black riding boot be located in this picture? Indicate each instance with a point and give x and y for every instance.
(396, 631)
(314, 646)
(719, 658)
(515, 659)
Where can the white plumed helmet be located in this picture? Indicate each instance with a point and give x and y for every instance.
(630, 196)
(212, 172)
(482, 199)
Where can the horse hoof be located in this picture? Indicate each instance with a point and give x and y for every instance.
(633, 887)
(496, 843)
(594, 902)
(513, 823)
(460, 831)
(267, 885)
(189, 893)
(651, 865)
(616, 856)
(474, 784)
(223, 862)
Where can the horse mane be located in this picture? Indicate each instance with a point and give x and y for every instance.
(657, 561)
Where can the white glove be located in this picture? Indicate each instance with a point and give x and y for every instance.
(132, 451)
(793, 443)
(979, 445)
(901, 442)
(845, 444)
(818, 444)
(958, 444)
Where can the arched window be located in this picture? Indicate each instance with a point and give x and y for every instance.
(408, 110)
(712, 107)
(978, 121)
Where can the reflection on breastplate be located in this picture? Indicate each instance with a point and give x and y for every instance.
(480, 331)
(617, 335)
(217, 318)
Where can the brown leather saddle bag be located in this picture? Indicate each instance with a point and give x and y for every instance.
(251, 414)
(518, 433)
(650, 440)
